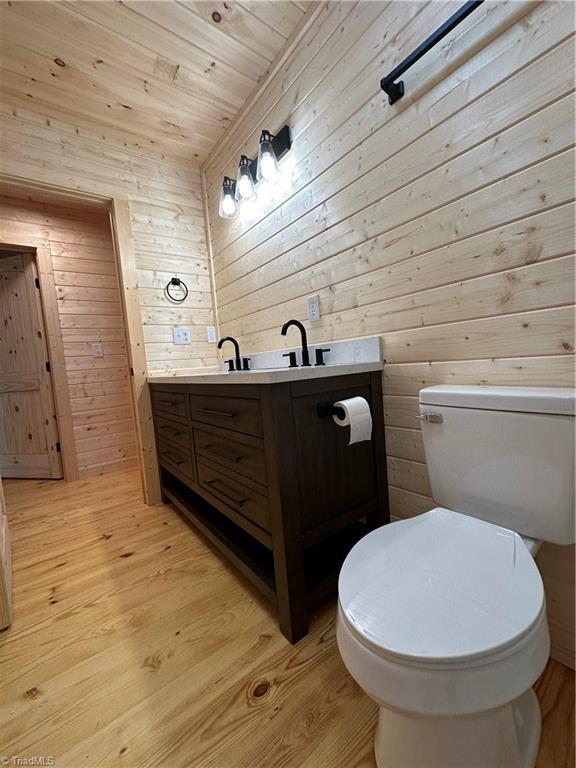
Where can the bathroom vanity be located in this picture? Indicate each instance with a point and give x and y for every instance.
(257, 464)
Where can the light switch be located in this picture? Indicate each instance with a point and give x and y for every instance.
(314, 308)
(211, 333)
(98, 349)
(181, 335)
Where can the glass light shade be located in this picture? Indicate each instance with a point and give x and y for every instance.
(267, 162)
(244, 181)
(228, 205)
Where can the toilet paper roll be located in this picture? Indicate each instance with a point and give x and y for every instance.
(357, 416)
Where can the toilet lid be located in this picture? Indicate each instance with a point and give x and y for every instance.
(440, 587)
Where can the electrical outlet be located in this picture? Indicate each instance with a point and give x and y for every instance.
(181, 335)
(211, 333)
(314, 308)
(98, 349)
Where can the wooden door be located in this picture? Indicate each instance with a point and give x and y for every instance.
(28, 427)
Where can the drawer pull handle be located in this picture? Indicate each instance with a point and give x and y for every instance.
(171, 458)
(227, 414)
(175, 432)
(171, 403)
(214, 484)
(224, 454)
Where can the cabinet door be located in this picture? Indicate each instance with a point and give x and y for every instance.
(334, 477)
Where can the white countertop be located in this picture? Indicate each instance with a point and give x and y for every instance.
(268, 375)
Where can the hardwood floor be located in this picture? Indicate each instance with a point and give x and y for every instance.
(135, 644)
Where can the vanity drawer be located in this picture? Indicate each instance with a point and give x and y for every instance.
(233, 413)
(245, 459)
(173, 431)
(174, 458)
(173, 404)
(246, 501)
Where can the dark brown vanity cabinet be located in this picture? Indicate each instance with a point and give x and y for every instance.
(273, 484)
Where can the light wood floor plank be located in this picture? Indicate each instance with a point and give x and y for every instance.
(167, 656)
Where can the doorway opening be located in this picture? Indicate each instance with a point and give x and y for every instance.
(65, 260)
(29, 437)
(67, 273)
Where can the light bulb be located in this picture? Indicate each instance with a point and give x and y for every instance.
(245, 187)
(268, 168)
(244, 181)
(228, 205)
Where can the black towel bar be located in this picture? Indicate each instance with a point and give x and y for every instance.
(394, 90)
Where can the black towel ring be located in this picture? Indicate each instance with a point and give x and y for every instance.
(178, 282)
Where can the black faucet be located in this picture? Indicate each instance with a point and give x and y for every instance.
(237, 350)
(298, 324)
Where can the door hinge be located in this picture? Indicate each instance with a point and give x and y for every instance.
(37, 282)
(58, 449)
(48, 367)
(131, 371)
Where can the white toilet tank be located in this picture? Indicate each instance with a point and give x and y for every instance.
(503, 454)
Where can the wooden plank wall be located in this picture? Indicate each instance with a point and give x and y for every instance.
(166, 210)
(89, 310)
(443, 223)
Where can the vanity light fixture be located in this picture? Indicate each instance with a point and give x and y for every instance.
(264, 168)
(228, 204)
(245, 181)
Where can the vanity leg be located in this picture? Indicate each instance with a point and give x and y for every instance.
(290, 589)
(285, 513)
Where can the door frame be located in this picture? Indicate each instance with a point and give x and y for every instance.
(121, 226)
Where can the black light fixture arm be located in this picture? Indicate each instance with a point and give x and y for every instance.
(394, 90)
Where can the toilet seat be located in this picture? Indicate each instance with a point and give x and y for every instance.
(442, 615)
(442, 588)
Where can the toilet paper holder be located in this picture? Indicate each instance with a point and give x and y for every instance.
(329, 409)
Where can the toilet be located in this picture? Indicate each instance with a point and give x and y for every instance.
(442, 617)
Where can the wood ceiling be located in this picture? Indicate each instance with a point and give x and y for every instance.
(164, 76)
